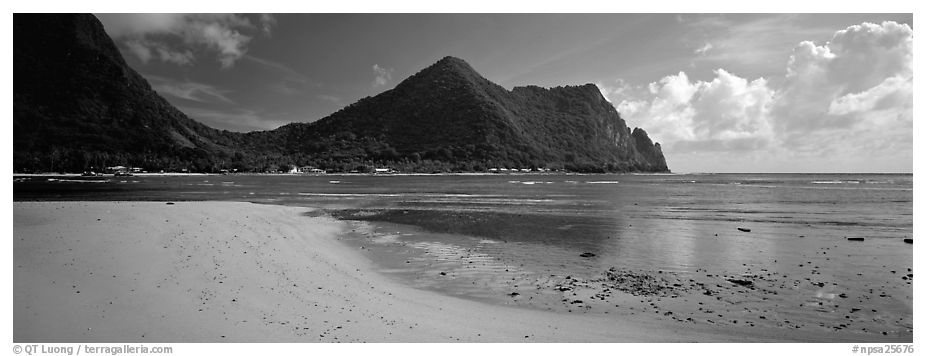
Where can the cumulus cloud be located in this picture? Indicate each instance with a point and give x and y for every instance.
(846, 100)
(176, 37)
(893, 92)
(837, 84)
(619, 89)
(383, 75)
(726, 113)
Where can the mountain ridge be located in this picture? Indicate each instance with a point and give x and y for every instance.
(97, 111)
(75, 99)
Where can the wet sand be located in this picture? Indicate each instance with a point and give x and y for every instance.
(242, 272)
(819, 289)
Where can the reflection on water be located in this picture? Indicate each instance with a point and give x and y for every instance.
(502, 233)
(667, 220)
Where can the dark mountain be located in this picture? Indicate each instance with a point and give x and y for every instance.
(77, 104)
(449, 113)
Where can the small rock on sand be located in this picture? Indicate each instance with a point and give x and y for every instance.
(587, 254)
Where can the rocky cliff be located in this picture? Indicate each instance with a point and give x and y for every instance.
(77, 105)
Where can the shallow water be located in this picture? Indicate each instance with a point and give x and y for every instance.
(514, 239)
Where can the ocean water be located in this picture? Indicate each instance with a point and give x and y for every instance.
(519, 239)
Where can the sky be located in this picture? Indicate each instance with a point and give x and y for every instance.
(719, 92)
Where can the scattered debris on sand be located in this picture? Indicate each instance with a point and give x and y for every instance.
(636, 283)
(741, 282)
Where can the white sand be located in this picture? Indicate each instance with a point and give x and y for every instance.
(227, 271)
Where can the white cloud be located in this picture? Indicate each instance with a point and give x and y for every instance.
(383, 75)
(140, 50)
(846, 101)
(762, 42)
(175, 37)
(229, 43)
(727, 113)
(893, 92)
(167, 55)
(267, 21)
(188, 90)
(119, 25)
(703, 49)
(618, 89)
(145, 51)
(826, 85)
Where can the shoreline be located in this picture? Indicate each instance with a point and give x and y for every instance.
(243, 272)
(343, 174)
(522, 275)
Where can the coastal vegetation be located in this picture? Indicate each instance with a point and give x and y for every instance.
(78, 106)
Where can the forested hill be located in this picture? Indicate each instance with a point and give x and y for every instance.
(77, 104)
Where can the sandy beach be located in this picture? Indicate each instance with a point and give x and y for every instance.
(243, 272)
